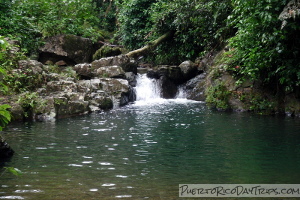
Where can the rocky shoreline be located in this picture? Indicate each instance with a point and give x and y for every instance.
(68, 82)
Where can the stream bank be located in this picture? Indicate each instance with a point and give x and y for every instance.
(66, 81)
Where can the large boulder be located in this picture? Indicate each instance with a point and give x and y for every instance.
(106, 93)
(173, 73)
(177, 74)
(195, 88)
(68, 48)
(189, 70)
(119, 90)
(65, 107)
(168, 88)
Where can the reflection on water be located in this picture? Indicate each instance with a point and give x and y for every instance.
(144, 151)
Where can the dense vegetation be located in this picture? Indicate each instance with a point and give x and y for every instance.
(199, 26)
(262, 36)
(264, 49)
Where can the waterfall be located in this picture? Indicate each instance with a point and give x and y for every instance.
(149, 92)
(181, 94)
(147, 89)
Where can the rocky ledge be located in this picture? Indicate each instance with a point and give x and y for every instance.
(103, 84)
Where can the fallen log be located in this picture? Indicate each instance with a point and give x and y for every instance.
(150, 46)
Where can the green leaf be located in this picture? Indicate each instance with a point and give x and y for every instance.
(4, 107)
(14, 171)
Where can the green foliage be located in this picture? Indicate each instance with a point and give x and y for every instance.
(3, 46)
(22, 80)
(5, 116)
(9, 58)
(28, 101)
(257, 102)
(261, 48)
(199, 25)
(217, 96)
(32, 20)
(135, 24)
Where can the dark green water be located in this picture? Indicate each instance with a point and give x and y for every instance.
(146, 151)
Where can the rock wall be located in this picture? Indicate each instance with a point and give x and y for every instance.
(108, 83)
(218, 87)
(173, 77)
(105, 85)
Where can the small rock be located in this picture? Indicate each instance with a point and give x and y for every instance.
(61, 63)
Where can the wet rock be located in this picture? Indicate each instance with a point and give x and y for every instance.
(105, 103)
(292, 105)
(45, 110)
(65, 108)
(168, 88)
(153, 74)
(5, 150)
(131, 77)
(129, 67)
(177, 74)
(195, 88)
(119, 89)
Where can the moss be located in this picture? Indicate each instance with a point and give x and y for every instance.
(106, 104)
(58, 101)
(106, 51)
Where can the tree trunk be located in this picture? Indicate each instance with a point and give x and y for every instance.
(151, 46)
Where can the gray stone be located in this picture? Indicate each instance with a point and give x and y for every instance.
(110, 61)
(189, 70)
(110, 72)
(195, 88)
(131, 78)
(84, 70)
(33, 65)
(69, 48)
(62, 85)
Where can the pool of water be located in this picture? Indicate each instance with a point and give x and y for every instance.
(145, 150)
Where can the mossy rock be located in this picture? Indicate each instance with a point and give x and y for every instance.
(106, 51)
(106, 104)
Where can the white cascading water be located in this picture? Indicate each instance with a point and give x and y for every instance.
(147, 89)
(181, 94)
(148, 92)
